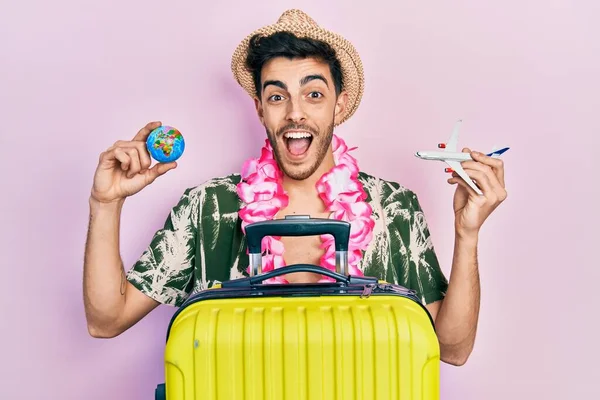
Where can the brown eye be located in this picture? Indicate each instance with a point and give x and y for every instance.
(275, 97)
(315, 95)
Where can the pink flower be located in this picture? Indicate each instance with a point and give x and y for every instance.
(261, 191)
(263, 171)
(249, 167)
(341, 155)
(266, 152)
(269, 263)
(339, 180)
(270, 170)
(350, 161)
(345, 207)
(261, 210)
(361, 209)
(354, 271)
(328, 259)
(361, 232)
(264, 168)
(273, 245)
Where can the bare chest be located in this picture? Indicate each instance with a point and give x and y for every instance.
(302, 249)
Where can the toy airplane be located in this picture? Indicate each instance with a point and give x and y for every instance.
(451, 156)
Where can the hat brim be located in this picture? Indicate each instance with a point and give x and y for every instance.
(350, 62)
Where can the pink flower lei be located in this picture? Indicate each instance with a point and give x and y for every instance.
(262, 192)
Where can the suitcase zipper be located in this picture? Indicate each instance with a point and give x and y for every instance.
(385, 287)
(367, 290)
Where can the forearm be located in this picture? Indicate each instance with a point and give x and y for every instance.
(456, 322)
(104, 281)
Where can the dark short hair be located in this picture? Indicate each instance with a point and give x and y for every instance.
(288, 45)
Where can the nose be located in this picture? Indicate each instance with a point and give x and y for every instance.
(295, 111)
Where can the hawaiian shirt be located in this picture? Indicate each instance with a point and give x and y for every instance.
(201, 243)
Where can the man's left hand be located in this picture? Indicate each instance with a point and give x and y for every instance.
(470, 208)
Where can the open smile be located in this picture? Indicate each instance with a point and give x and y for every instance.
(297, 143)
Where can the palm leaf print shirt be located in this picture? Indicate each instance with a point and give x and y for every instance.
(201, 243)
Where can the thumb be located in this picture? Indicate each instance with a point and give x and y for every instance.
(160, 169)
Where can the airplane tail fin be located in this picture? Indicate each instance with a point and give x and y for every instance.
(497, 151)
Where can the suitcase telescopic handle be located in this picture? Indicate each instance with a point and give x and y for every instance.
(298, 225)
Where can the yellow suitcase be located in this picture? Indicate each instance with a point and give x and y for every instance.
(357, 338)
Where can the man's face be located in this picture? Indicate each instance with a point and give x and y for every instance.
(298, 108)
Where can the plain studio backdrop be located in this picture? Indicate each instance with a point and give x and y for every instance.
(77, 76)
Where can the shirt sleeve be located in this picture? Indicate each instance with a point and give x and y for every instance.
(165, 270)
(424, 272)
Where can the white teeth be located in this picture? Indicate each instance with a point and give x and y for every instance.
(297, 135)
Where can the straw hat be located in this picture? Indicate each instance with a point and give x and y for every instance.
(300, 24)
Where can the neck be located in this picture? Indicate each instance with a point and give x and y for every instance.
(306, 187)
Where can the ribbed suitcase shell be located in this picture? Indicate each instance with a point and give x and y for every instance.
(293, 347)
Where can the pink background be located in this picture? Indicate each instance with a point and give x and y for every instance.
(77, 76)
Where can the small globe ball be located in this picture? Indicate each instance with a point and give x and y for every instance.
(165, 144)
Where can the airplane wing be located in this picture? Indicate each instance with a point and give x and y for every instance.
(453, 141)
(455, 165)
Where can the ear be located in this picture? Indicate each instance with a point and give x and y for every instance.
(340, 106)
(259, 110)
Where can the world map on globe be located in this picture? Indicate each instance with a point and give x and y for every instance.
(165, 144)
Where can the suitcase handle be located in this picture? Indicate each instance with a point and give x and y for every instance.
(298, 225)
(256, 280)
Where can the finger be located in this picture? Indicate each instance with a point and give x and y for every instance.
(159, 169)
(457, 180)
(495, 163)
(107, 158)
(143, 153)
(145, 131)
(481, 179)
(490, 173)
(145, 159)
(486, 169)
(135, 165)
(123, 158)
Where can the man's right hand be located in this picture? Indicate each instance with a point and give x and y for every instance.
(124, 169)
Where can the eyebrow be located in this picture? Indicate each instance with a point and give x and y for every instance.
(303, 81)
(274, 83)
(309, 78)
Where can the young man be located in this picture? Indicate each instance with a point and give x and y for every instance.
(304, 81)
